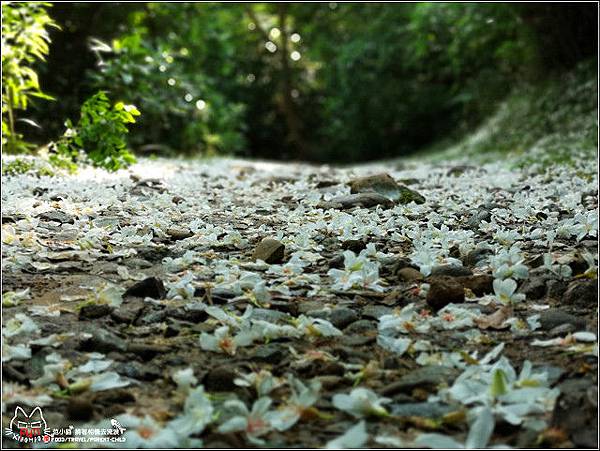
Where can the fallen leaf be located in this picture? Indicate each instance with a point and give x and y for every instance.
(496, 320)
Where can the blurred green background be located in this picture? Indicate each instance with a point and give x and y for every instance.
(316, 81)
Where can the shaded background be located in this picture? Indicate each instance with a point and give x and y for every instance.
(321, 82)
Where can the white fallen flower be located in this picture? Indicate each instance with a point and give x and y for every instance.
(262, 381)
(197, 413)
(20, 324)
(361, 402)
(54, 340)
(230, 319)
(15, 352)
(223, 341)
(183, 289)
(254, 423)
(585, 337)
(145, 432)
(505, 291)
(13, 298)
(95, 364)
(396, 345)
(18, 394)
(302, 398)
(185, 379)
(479, 435)
(355, 437)
(533, 321)
(110, 295)
(316, 327)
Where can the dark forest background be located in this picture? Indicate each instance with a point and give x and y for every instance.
(315, 81)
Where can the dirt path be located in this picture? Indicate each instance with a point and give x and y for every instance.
(372, 316)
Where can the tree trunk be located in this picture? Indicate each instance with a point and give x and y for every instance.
(286, 103)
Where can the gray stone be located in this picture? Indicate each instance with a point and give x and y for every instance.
(318, 313)
(576, 413)
(80, 408)
(94, 311)
(137, 370)
(357, 340)
(376, 311)
(582, 293)
(179, 233)
(137, 263)
(555, 289)
(385, 185)
(459, 170)
(102, 340)
(146, 351)
(431, 410)
(272, 316)
(363, 200)
(342, 317)
(56, 216)
(151, 287)
(450, 271)
(551, 318)
(329, 382)
(152, 317)
(476, 256)
(309, 306)
(360, 327)
(272, 353)
(534, 287)
(563, 329)
(336, 262)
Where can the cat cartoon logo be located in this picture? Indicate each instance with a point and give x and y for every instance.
(28, 428)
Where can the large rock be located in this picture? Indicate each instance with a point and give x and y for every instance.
(382, 184)
(220, 378)
(477, 256)
(409, 274)
(576, 412)
(408, 195)
(551, 318)
(269, 250)
(363, 200)
(354, 245)
(582, 293)
(56, 216)
(179, 233)
(534, 287)
(443, 291)
(341, 317)
(480, 285)
(450, 271)
(385, 185)
(102, 340)
(152, 287)
(94, 311)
